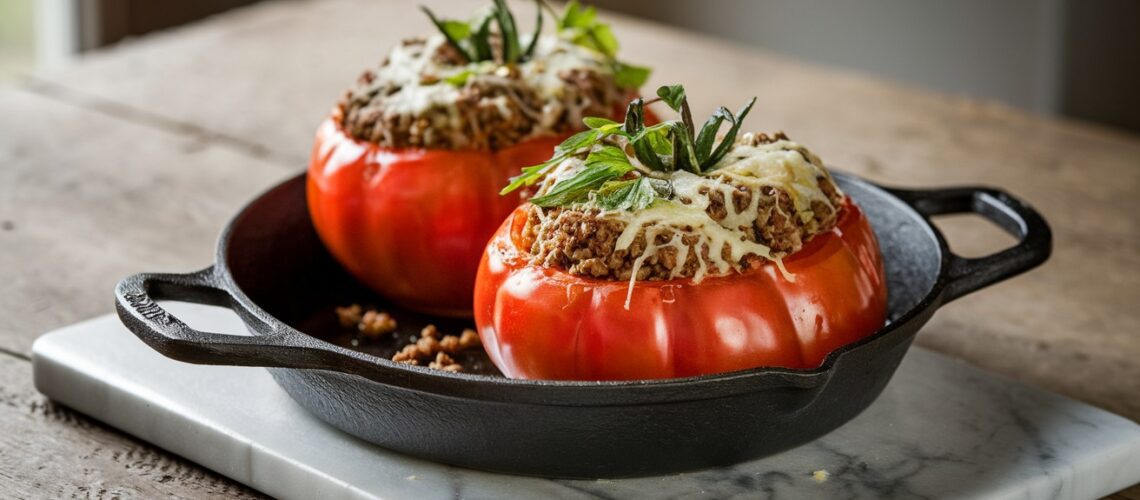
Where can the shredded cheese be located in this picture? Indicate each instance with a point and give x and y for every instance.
(782, 165)
(409, 63)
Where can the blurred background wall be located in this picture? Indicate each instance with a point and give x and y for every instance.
(1078, 58)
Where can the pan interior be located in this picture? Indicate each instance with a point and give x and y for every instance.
(279, 262)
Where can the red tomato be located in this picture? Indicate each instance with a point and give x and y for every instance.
(412, 224)
(542, 323)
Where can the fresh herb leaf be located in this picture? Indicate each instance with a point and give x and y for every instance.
(575, 16)
(634, 117)
(583, 28)
(631, 194)
(453, 31)
(510, 34)
(673, 95)
(653, 147)
(577, 141)
(604, 164)
(482, 40)
(459, 79)
(730, 137)
(604, 40)
(529, 175)
(707, 137)
(609, 156)
(473, 39)
(456, 30)
(662, 147)
(684, 154)
(537, 30)
(629, 76)
(595, 122)
(532, 174)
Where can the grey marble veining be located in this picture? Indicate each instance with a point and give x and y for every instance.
(941, 429)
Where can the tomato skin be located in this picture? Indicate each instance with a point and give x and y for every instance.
(412, 224)
(542, 323)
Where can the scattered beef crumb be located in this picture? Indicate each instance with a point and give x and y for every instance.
(432, 345)
(375, 323)
(349, 316)
(445, 363)
(370, 323)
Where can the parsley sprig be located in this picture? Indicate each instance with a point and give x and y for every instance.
(612, 179)
(580, 25)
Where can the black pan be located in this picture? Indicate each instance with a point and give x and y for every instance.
(273, 271)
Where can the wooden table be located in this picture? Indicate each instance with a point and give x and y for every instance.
(133, 159)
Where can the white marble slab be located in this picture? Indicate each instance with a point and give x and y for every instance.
(941, 429)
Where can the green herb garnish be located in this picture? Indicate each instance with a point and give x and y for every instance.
(472, 39)
(580, 25)
(658, 149)
(603, 164)
(632, 194)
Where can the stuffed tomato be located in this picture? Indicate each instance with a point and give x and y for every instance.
(404, 177)
(629, 266)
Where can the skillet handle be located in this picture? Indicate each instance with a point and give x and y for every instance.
(136, 304)
(965, 275)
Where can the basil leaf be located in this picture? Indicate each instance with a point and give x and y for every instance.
(602, 165)
(632, 194)
(457, 30)
(707, 136)
(595, 122)
(629, 76)
(453, 31)
(652, 147)
(510, 34)
(684, 155)
(575, 142)
(730, 137)
(537, 30)
(673, 95)
(634, 117)
(585, 30)
(482, 40)
(604, 39)
(610, 156)
(574, 16)
(530, 175)
(459, 79)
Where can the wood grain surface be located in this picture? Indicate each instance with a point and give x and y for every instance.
(133, 159)
(49, 451)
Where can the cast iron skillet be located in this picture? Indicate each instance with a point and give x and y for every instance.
(272, 270)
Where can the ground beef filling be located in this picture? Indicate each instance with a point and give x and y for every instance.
(581, 241)
(491, 112)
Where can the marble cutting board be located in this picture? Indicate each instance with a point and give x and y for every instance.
(941, 429)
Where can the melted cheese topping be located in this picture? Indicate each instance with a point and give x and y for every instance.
(782, 164)
(409, 64)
